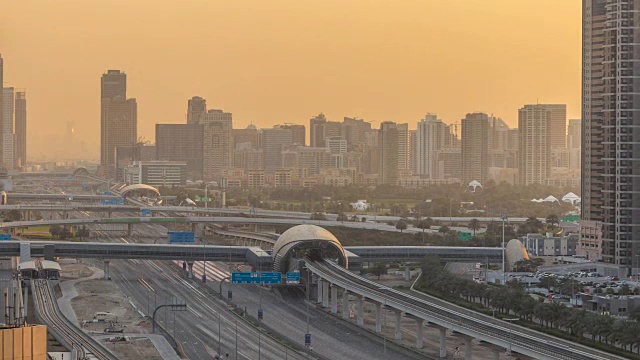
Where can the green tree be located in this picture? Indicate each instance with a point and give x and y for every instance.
(401, 225)
(444, 229)
(55, 230)
(318, 216)
(342, 217)
(474, 225)
(378, 270)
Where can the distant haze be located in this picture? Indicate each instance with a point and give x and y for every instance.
(276, 61)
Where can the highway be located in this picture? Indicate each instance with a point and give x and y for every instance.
(520, 340)
(68, 334)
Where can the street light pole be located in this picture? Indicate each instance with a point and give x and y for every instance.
(504, 274)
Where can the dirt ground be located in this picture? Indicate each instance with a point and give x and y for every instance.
(99, 295)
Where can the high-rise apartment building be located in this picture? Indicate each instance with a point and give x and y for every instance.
(217, 143)
(431, 136)
(298, 133)
(196, 108)
(558, 116)
(7, 127)
(354, 131)
(246, 138)
(475, 148)
(413, 151)
(403, 147)
(1, 96)
(535, 124)
(119, 118)
(272, 142)
(574, 134)
(182, 143)
(611, 126)
(388, 153)
(320, 129)
(20, 129)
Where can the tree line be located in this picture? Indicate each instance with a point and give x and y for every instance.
(605, 332)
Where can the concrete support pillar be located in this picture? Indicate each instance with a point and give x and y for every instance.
(398, 331)
(378, 318)
(106, 270)
(360, 311)
(109, 214)
(190, 267)
(345, 304)
(496, 354)
(443, 342)
(468, 353)
(325, 294)
(334, 299)
(194, 227)
(320, 287)
(407, 273)
(419, 336)
(129, 229)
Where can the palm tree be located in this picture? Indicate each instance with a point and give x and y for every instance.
(474, 225)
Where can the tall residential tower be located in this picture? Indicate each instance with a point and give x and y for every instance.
(611, 126)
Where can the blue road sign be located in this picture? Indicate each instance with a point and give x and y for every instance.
(293, 277)
(271, 278)
(181, 237)
(145, 212)
(5, 237)
(245, 277)
(307, 340)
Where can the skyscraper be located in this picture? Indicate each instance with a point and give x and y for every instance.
(183, 143)
(217, 143)
(320, 129)
(574, 134)
(535, 125)
(475, 148)
(196, 108)
(113, 84)
(21, 128)
(272, 141)
(1, 97)
(558, 119)
(403, 147)
(431, 136)
(298, 133)
(119, 118)
(7, 127)
(611, 127)
(388, 153)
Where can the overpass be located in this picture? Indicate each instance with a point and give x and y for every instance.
(330, 280)
(198, 210)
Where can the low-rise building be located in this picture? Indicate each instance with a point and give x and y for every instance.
(156, 173)
(590, 244)
(541, 245)
(618, 305)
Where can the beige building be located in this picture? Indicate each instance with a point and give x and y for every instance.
(388, 158)
(24, 343)
(256, 179)
(217, 154)
(475, 148)
(535, 124)
(196, 109)
(282, 178)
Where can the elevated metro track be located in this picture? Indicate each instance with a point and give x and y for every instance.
(63, 330)
(443, 314)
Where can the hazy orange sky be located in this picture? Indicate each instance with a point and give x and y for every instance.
(275, 61)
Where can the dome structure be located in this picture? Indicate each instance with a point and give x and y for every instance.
(515, 251)
(302, 241)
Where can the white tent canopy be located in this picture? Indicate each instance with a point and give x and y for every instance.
(551, 198)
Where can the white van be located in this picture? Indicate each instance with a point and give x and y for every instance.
(105, 316)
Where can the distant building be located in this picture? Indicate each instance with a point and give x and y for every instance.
(282, 178)
(127, 155)
(21, 129)
(256, 179)
(6, 128)
(388, 153)
(156, 173)
(475, 148)
(298, 133)
(246, 138)
(217, 143)
(540, 245)
(320, 129)
(536, 124)
(272, 142)
(119, 118)
(183, 143)
(403, 147)
(196, 109)
(590, 244)
(355, 131)
(432, 135)
(1, 94)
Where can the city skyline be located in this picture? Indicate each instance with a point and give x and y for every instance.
(274, 93)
